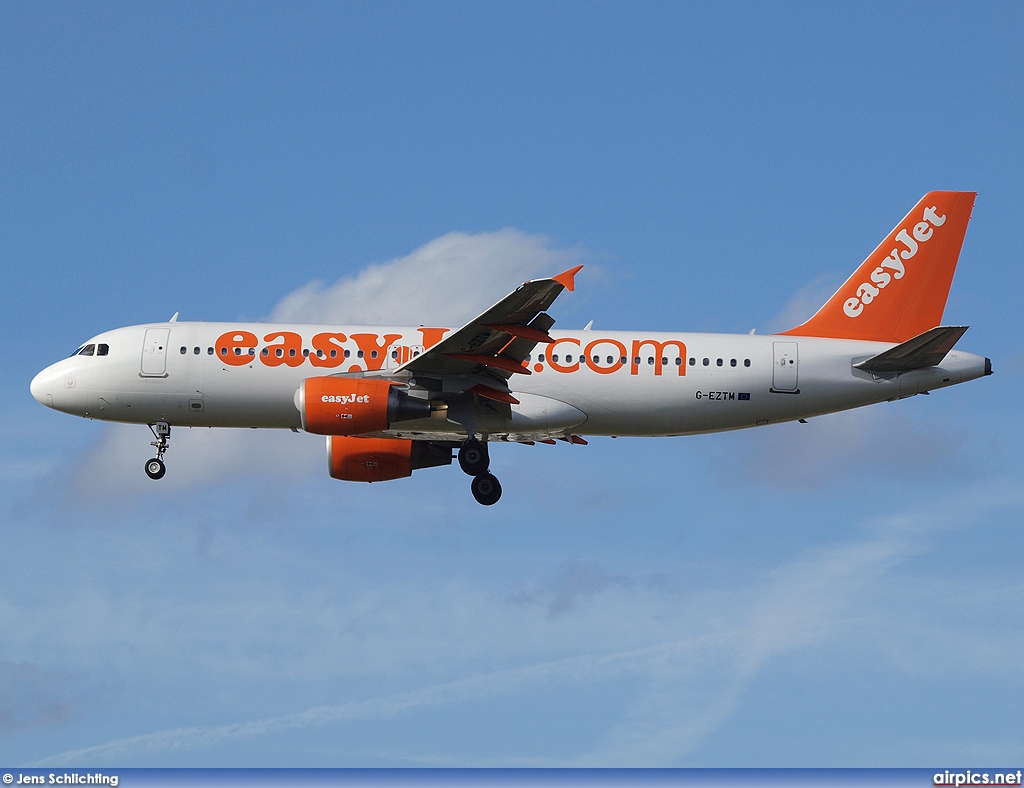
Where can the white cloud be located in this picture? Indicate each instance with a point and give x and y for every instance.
(112, 468)
(447, 281)
(807, 300)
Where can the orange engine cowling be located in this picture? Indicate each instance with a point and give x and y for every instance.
(354, 406)
(355, 459)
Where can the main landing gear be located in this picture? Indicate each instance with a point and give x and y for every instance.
(155, 468)
(474, 460)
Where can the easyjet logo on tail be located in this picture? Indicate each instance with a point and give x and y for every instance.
(894, 267)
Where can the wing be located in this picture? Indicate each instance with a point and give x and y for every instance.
(491, 348)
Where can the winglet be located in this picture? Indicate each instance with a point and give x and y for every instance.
(567, 279)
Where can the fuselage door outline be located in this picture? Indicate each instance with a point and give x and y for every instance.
(786, 369)
(154, 353)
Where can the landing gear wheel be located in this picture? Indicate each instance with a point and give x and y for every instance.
(473, 458)
(486, 489)
(155, 468)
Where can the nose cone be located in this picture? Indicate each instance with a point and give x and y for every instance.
(42, 387)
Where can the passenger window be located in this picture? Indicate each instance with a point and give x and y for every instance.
(209, 351)
(664, 360)
(252, 351)
(373, 354)
(184, 350)
(622, 360)
(707, 361)
(305, 351)
(280, 352)
(102, 350)
(224, 351)
(679, 362)
(358, 355)
(291, 352)
(636, 360)
(195, 351)
(540, 357)
(528, 358)
(719, 362)
(746, 362)
(394, 354)
(608, 360)
(650, 361)
(554, 358)
(732, 362)
(319, 353)
(265, 352)
(693, 361)
(334, 353)
(568, 359)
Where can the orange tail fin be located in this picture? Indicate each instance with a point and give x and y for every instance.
(900, 291)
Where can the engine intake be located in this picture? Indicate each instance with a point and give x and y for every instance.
(356, 459)
(355, 406)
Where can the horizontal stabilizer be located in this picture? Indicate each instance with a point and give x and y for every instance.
(925, 350)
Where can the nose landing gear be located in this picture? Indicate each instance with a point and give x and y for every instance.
(474, 460)
(155, 468)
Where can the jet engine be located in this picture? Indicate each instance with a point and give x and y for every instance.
(355, 459)
(355, 406)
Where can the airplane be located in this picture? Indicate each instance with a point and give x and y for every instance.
(395, 399)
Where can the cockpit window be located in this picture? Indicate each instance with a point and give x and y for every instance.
(102, 349)
(88, 350)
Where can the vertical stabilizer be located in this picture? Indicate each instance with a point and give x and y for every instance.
(900, 291)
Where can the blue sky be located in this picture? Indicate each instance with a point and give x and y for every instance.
(845, 592)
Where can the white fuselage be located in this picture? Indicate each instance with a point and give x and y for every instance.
(585, 383)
